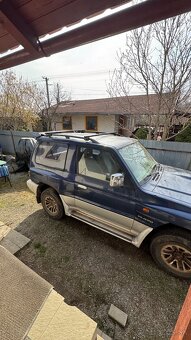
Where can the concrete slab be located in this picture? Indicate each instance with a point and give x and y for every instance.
(117, 315)
(102, 335)
(4, 230)
(10, 246)
(17, 238)
(32, 310)
(11, 239)
(46, 314)
(99, 337)
(69, 323)
(23, 293)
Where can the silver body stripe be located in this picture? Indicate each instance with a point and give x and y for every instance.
(108, 221)
(115, 224)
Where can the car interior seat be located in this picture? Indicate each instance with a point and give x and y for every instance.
(90, 166)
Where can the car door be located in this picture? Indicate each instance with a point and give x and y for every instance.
(95, 199)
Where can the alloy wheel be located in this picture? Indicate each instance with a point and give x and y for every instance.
(177, 257)
(51, 205)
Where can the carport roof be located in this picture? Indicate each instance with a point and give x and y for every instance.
(24, 22)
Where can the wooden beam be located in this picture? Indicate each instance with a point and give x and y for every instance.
(182, 329)
(46, 16)
(18, 28)
(145, 13)
(139, 15)
(69, 13)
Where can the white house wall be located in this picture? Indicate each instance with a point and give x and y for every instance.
(106, 123)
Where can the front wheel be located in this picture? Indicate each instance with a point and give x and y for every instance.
(52, 204)
(171, 250)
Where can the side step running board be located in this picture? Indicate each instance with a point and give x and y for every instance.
(108, 229)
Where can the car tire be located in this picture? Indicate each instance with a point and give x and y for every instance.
(171, 250)
(52, 204)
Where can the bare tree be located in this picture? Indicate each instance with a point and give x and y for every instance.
(23, 103)
(157, 60)
(17, 102)
(47, 110)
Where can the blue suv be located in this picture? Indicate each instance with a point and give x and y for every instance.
(112, 183)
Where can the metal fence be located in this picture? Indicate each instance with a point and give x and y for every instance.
(169, 153)
(9, 140)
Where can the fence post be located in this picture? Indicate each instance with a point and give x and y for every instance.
(13, 142)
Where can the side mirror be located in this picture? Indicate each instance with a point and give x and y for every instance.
(117, 180)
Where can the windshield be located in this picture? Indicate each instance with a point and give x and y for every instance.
(138, 160)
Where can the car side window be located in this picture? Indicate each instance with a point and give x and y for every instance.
(96, 163)
(52, 155)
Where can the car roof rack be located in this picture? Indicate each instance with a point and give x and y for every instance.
(66, 134)
(51, 133)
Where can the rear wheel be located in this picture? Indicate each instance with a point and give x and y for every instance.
(171, 250)
(52, 204)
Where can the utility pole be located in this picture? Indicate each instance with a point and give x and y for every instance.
(48, 123)
(58, 93)
(47, 90)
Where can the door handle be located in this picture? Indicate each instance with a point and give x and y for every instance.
(81, 186)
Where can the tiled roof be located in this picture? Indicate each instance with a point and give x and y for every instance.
(130, 105)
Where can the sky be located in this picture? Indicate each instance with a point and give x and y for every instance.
(84, 71)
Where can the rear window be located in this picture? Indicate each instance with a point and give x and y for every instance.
(52, 155)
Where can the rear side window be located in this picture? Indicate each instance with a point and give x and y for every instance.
(52, 155)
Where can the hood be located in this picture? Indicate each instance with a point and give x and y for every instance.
(174, 184)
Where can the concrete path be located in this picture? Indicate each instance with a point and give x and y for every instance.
(33, 310)
(4, 230)
(54, 319)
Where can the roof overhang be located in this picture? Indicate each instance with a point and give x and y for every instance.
(25, 22)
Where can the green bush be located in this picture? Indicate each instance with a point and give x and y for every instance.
(184, 136)
(141, 133)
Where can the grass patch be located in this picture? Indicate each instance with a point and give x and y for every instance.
(40, 248)
(66, 259)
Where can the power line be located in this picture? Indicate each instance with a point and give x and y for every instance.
(81, 89)
(89, 94)
(78, 74)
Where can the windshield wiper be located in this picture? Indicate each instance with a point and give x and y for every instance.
(148, 176)
(154, 172)
(155, 167)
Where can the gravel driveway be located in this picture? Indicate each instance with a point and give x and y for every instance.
(92, 269)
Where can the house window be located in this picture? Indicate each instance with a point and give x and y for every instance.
(67, 123)
(91, 123)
